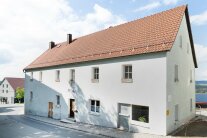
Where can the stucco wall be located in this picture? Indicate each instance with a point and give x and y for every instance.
(148, 89)
(182, 91)
(11, 93)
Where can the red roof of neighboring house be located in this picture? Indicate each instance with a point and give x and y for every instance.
(15, 82)
(153, 33)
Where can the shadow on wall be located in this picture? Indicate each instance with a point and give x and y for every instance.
(42, 95)
(106, 118)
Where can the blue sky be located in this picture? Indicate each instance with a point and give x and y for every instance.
(27, 26)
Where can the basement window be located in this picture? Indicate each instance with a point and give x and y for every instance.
(127, 74)
(57, 78)
(140, 113)
(95, 106)
(95, 75)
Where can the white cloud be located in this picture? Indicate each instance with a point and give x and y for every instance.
(27, 27)
(199, 19)
(201, 55)
(148, 7)
(170, 2)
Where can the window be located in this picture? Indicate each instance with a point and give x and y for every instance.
(57, 78)
(95, 77)
(2, 91)
(191, 76)
(127, 73)
(181, 41)
(188, 48)
(95, 106)
(176, 73)
(72, 75)
(7, 85)
(40, 76)
(58, 99)
(176, 112)
(191, 105)
(7, 91)
(3, 85)
(140, 113)
(31, 76)
(31, 96)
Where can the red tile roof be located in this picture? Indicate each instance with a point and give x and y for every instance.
(153, 33)
(15, 82)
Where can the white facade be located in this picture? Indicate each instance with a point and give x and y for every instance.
(153, 86)
(181, 92)
(6, 92)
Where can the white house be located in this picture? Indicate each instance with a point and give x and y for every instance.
(8, 88)
(137, 76)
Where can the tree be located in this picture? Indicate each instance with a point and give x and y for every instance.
(19, 93)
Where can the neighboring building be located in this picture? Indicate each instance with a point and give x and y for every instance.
(8, 89)
(137, 76)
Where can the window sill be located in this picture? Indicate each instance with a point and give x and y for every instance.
(94, 113)
(138, 123)
(94, 80)
(127, 80)
(57, 80)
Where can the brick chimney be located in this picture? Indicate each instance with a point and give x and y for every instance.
(51, 44)
(69, 38)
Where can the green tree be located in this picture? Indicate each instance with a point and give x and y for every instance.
(19, 93)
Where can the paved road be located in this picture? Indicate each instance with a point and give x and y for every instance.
(14, 125)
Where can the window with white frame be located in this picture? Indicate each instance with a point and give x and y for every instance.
(72, 75)
(7, 91)
(31, 76)
(40, 76)
(188, 48)
(31, 95)
(7, 85)
(127, 73)
(191, 76)
(3, 85)
(95, 106)
(2, 91)
(176, 73)
(191, 105)
(180, 41)
(57, 75)
(140, 113)
(95, 75)
(58, 99)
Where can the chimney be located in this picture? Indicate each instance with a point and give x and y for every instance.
(69, 38)
(51, 44)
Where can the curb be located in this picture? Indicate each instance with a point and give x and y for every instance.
(96, 133)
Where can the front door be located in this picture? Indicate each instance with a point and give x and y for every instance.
(72, 108)
(50, 109)
(124, 115)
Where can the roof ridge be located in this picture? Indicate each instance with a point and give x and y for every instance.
(138, 19)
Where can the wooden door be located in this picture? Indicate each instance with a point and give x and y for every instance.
(50, 109)
(72, 108)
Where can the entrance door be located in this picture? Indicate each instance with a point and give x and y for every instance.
(124, 115)
(72, 108)
(50, 108)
